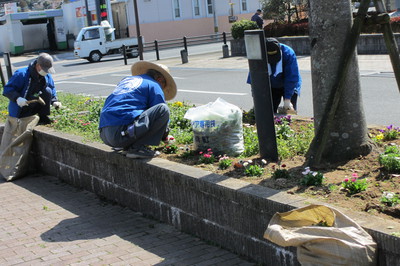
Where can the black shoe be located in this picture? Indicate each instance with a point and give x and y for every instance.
(45, 120)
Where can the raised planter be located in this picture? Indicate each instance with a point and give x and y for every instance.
(229, 212)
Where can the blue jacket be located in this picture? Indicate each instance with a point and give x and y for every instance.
(18, 85)
(130, 98)
(290, 78)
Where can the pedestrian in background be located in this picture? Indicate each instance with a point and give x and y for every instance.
(284, 75)
(256, 17)
(136, 115)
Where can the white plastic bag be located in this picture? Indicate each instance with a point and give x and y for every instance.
(217, 126)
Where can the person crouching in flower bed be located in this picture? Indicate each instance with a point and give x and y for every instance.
(136, 114)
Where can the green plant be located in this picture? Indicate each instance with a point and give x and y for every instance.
(390, 199)
(224, 162)
(311, 178)
(206, 157)
(170, 148)
(355, 185)
(390, 133)
(253, 169)
(250, 140)
(281, 172)
(240, 26)
(390, 159)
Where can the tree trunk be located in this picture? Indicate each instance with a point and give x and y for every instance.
(347, 138)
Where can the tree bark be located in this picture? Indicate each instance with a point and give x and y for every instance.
(347, 138)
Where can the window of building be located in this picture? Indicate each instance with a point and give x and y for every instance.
(210, 8)
(177, 9)
(244, 5)
(196, 7)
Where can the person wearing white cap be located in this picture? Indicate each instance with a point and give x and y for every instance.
(31, 90)
(136, 115)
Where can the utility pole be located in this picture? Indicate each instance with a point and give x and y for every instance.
(215, 18)
(138, 35)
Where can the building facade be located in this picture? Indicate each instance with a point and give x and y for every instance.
(168, 19)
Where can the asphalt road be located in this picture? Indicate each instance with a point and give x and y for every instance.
(207, 80)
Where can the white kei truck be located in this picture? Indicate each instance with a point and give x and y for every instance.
(94, 42)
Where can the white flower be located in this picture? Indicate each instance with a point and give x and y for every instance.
(388, 195)
(245, 164)
(264, 161)
(250, 161)
(307, 170)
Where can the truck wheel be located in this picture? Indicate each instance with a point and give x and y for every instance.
(133, 54)
(94, 56)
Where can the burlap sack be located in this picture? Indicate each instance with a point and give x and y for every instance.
(15, 146)
(323, 236)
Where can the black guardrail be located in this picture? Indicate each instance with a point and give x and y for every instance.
(184, 42)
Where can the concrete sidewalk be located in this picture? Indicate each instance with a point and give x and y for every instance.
(44, 221)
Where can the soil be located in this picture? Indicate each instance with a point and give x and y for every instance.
(331, 191)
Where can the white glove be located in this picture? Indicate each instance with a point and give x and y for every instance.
(22, 102)
(57, 105)
(287, 105)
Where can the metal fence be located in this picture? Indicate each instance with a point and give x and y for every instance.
(185, 42)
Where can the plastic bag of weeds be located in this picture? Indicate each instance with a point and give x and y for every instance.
(217, 126)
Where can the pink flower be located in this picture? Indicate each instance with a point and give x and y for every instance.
(209, 149)
(354, 175)
(346, 180)
(353, 180)
(201, 152)
(207, 155)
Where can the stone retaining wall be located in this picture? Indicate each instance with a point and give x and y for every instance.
(231, 213)
(367, 44)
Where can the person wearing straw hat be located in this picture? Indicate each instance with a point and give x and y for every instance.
(284, 75)
(135, 115)
(31, 90)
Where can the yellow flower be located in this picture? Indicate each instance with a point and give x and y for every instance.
(178, 104)
(379, 136)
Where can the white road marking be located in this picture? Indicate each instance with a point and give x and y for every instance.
(86, 83)
(122, 75)
(190, 91)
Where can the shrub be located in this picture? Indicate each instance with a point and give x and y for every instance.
(240, 26)
(390, 159)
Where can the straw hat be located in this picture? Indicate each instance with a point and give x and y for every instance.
(141, 67)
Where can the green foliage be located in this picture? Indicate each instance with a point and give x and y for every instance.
(280, 172)
(224, 162)
(355, 185)
(291, 143)
(253, 170)
(311, 178)
(390, 199)
(250, 142)
(240, 26)
(282, 10)
(390, 159)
